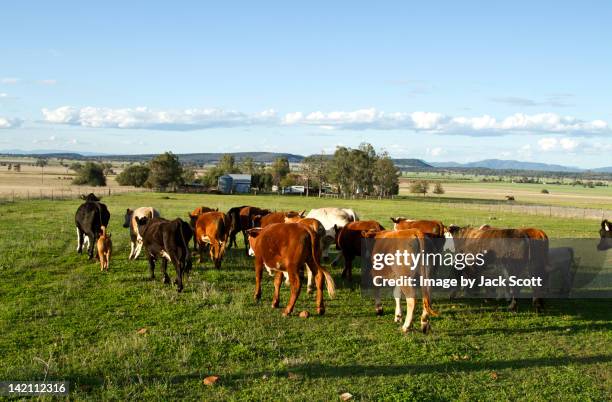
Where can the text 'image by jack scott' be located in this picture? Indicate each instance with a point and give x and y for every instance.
(321, 201)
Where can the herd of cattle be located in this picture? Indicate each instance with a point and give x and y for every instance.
(291, 243)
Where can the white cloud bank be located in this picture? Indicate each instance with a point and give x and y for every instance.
(363, 119)
(5, 122)
(145, 118)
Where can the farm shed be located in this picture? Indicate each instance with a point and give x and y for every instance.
(234, 183)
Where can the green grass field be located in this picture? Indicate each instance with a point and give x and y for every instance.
(61, 318)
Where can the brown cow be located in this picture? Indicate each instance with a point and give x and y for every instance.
(193, 217)
(412, 241)
(286, 248)
(512, 249)
(430, 227)
(348, 241)
(246, 222)
(322, 240)
(261, 221)
(212, 229)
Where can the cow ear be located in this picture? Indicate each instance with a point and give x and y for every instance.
(336, 228)
(128, 211)
(303, 213)
(253, 232)
(394, 220)
(216, 209)
(605, 224)
(83, 196)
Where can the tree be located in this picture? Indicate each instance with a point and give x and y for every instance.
(227, 164)
(289, 180)
(419, 187)
(280, 169)
(75, 167)
(91, 174)
(386, 176)
(341, 170)
(363, 159)
(42, 162)
(315, 169)
(166, 171)
(135, 175)
(438, 189)
(248, 166)
(108, 168)
(189, 175)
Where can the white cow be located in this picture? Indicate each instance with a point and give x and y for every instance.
(330, 217)
(130, 222)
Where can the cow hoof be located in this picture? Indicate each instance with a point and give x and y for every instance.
(406, 330)
(166, 281)
(309, 290)
(286, 313)
(513, 308)
(398, 318)
(425, 328)
(321, 310)
(179, 290)
(379, 311)
(275, 305)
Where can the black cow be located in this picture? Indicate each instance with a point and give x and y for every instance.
(606, 235)
(89, 219)
(234, 227)
(168, 240)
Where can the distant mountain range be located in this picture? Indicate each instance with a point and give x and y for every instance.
(267, 157)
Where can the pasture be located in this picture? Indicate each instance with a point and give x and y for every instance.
(118, 335)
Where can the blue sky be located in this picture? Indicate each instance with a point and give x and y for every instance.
(456, 81)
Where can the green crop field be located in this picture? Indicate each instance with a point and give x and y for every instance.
(118, 335)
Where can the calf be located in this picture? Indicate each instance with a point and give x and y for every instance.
(168, 240)
(605, 234)
(212, 229)
(285, 248)
(105, 249)
(348, 241)
(89, 219)
(130, 222)
(412, 241)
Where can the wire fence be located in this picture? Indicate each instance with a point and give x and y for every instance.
(65, 193)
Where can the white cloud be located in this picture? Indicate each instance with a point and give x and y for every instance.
(437, 151)
(9, 80)
(439, 123)
(3, 95)
(551, 144)
(361, 119)
(47, 82)
(5, 122)
(145, 118)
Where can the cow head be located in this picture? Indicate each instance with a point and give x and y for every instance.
(193, 218)
(253, 234)
(128, 218)
(142, 223)
(257, 221)
(91, 197)
(606, 235)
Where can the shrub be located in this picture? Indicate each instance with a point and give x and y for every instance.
(90, 174)
(135, 175)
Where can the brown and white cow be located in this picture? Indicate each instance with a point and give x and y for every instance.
(193, 217)
(348, 241)
(130, 222)
(212, 230)
(286, 248)
(411, 241)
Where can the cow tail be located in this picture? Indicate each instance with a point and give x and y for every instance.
(314, 247)
(426, 290)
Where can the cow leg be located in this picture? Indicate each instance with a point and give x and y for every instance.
(137, 249)
(79, 240)
(319, 278)
(425, 326)
(309, 276)
(164, 267)
(90, 247)
(397, 295)
(377, 302)
(179, 275)
(410, 302)
(246, 243)
(131, 250)
(278, 280)
(296, 286)
(258, 272)
(152, 266)
(347, 272)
